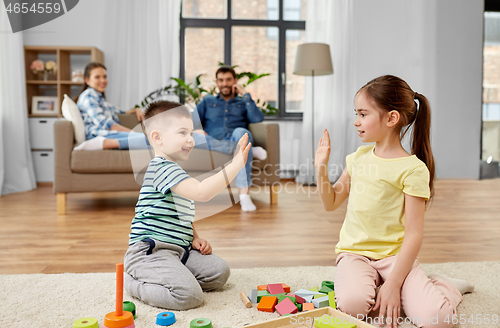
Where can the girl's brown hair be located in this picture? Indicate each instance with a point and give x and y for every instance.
(390, 93)
(86, 75)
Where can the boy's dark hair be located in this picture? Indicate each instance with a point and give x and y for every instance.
(225, 69)
(162, 106)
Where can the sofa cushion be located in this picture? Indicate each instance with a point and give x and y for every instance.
(71, 112)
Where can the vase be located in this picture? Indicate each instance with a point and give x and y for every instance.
(45, 75)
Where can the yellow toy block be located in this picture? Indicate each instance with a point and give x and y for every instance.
(314, 289)
(331, 300)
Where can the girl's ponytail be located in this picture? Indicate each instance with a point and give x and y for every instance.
(421, 143)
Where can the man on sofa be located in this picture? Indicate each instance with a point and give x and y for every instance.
(223, 120)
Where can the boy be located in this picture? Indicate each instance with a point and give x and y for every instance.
(167, 264)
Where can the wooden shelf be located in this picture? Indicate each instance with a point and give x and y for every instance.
(62, 83)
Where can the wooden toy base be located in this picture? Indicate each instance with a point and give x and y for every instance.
(306, 320)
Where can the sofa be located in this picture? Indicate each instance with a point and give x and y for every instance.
(123, 170)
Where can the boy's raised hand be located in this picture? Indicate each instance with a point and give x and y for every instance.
(323, 151)
(242, 149)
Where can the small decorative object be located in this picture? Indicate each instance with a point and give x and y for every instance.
(50, 68)
(77, 76)
(37, 66)
(44, 105)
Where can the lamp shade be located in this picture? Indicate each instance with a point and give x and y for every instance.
(313, 57)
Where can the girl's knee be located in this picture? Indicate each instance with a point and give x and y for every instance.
(354, 304)
(433, 318)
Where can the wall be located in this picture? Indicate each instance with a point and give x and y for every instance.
(451, 37)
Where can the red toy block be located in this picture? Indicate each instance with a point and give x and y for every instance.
(307, 307)
(262, 287)
(275, 289)
(267, 303)
(286, 288)
(299, 299)
(286, 307)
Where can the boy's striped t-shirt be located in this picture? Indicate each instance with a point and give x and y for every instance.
(160, 213)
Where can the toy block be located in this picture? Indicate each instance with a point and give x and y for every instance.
(307, 306)
(286, 307)
(325, 290)
(298, 298)
(286, 288)
(321, 302)
(253, 295)
(245, 300)
(302, 292)
(318, 296)
(282, 297)
(267, 304)
(314, 289)
(262, 287)
(327, 321)
(299, 307)
(328, 284)
(331, 300)
(261, 293)
(275, 289)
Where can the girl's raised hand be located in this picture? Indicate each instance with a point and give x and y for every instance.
(323, 151)
(242, 149)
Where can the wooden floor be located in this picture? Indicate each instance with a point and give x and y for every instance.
(462, 225)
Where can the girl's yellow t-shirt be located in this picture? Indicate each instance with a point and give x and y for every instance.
(374, 225)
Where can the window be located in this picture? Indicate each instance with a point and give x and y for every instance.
(259, 36)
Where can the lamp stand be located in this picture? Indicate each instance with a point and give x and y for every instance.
(312, 183)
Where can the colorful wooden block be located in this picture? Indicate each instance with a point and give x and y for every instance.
(275, 289)
(262, 287)
(318, 296)
(331, 300)
(286, 288)
(307, 306)
(302, 292)
(325, 289)
(283, 296)
(267, 304)
(327, 321)
(299, 307)
(261, 293)
(314, 289)
(286, 307)
(253, 296)
(298, 299)
(328, 284)
(321, 302)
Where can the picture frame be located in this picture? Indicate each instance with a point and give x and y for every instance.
(44, 105)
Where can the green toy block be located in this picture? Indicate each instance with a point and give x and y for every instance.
(314, 289)
(325, 290)
(318, 296)
(327, 321)
(299, 306)
(278, 295)
(282, 297)
(328, 284)
(261, 293)
(331, 300)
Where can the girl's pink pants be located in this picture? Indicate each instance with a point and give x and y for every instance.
(426, 302)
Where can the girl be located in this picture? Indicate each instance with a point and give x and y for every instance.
(102, 127)
(388, 190)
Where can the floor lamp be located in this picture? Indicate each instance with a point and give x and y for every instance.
(313, 59)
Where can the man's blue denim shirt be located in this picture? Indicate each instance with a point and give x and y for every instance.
(219, 117)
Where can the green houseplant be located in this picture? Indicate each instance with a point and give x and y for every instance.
(194, 93)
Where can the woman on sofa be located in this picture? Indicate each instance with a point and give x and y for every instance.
(102, 127)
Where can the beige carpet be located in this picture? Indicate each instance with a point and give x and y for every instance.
(56, 300)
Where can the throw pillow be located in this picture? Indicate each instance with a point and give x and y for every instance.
(71, 112)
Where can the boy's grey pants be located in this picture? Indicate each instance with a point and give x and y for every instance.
(160, 279)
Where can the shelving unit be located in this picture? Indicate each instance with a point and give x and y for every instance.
(41, 126)
(59, 84)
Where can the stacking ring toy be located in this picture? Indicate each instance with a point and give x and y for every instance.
(201, 323)
(86, 323)
(165, 319)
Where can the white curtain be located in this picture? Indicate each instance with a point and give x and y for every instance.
(16, 167)
(148, 50)
(367, 39)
